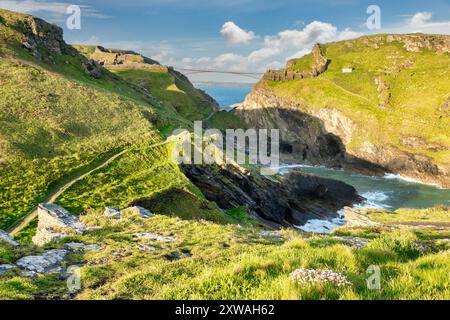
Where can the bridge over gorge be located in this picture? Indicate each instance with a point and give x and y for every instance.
(188, 71)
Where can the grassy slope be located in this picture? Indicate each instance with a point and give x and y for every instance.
(230, 262)
(177, 94)
(415, 94)
(56, 121)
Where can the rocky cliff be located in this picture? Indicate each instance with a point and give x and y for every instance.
(277, 201)
(388, 115)
(317, 66)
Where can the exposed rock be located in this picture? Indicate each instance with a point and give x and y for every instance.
(123, 59)
(146, 247)
(358, 218)
(322, 137)
(83, 246)
(355, 242)
(55, 222)
(144, 213)
(111, 212)
(270, 235)
(289, 200)
(48, 262)
(418, 42)
(40, 33)
(29, 274)
(5, 268)
(92, 68)
(5, 237)
(318, 66)
(156, 237)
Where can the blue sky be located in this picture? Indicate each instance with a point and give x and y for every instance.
(235, 35)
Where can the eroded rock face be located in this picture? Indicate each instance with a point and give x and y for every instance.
(282, 201)
(40, 34)
(5, 237)
(321, 137)
(56, 222)
(304, 137)
(319, 65)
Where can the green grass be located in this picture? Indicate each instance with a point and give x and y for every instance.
(173, 90)
(57, 122)
(223, 120)
(435, 215)
(230, 262)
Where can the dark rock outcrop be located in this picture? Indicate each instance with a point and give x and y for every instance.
(276, 201)
(41, 36)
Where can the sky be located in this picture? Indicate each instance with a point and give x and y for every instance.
(233, 35)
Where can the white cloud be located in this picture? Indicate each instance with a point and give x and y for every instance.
(316, 31)
(263, 54)
(235, 35)
(420, 18)
(421, 22)
(348, 33)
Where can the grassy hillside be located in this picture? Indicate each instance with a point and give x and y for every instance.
(170, 87)
(395, 97)
(216, 261)
(57, 121)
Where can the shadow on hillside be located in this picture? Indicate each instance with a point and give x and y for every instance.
(304, 140)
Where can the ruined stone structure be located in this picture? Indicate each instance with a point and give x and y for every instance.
(318, 66)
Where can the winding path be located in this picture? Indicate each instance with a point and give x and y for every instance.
(52, 197)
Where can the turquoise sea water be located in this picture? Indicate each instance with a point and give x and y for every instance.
(226, 94)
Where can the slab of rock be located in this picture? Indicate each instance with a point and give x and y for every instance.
(83, 246)
(6, 267)
(111, 212)
(358, 218)
(48, 262)
(144, 213)
(5, 237)
(156, 237)
(270, 234)
(29, 274)
(55, 222)
(146, 247)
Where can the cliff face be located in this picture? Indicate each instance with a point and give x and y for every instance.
(317, 66)
(389, 115)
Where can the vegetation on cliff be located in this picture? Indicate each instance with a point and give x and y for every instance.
(394, 104)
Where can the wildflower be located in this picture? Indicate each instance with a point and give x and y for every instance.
(313, 277)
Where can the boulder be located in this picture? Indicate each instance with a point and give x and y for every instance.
(55, 222)
(5, 268)
(5, 237)
(83, 246)
(144, 213)
(270, 235)
(358, 218)
(48, 262)
(156, 237)
(111, 212)
(93, 68)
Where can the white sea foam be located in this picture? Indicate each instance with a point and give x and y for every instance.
(391, 176)
(321, 226)
(374, 200)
